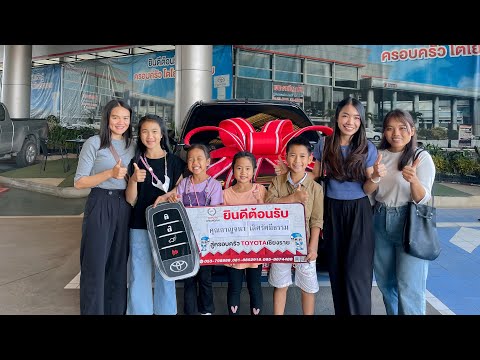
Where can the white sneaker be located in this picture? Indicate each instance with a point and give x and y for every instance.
(206, 314)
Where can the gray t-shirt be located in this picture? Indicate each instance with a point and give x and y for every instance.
(93, 161)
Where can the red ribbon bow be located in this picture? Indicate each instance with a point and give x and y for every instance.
(238, 134)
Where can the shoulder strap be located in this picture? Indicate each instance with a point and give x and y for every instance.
(114, 153)
(323, 172)
(418, 151)
(117, 158)
(208, 196)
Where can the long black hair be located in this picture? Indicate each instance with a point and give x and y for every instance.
(353, 167)
(105, 133)
(409, 149)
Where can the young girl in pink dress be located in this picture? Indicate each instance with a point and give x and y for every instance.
(244, 192)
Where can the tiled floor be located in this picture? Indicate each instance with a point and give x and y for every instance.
(453, 284)
(51, 246)
(454, 277)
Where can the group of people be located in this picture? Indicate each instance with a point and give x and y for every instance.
(360, 239)
(357, 241)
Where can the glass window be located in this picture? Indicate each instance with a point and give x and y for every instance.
(254, 73)
(253, 89)
(288, 64)
(346, 76)
(254, 59)
(318, 80)
(346, 72)
(288, 69)
(316, 103)
(346, 83)
(317, 68)
(288, 76)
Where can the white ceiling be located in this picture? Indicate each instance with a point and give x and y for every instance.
(55, 54)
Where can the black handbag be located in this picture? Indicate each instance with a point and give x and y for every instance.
(420, 237)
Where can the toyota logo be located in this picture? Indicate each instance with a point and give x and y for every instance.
(178, 266)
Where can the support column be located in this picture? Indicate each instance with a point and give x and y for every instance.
(416, 109)
(17, 79)
(193, 79)
(436, 112)
(326, 100)
(370, 107)
(394, 100)
(454, 107)
(476, 117)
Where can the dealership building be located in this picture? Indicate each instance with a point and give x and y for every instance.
(74, 82)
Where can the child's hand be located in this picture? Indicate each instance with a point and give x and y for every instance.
(300, 195)
(256, 192)
(280, 168)
(139, 175)
(173, 198)
(160, 199)
(311, 255)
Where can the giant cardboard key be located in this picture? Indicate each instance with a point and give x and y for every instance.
(174, 248)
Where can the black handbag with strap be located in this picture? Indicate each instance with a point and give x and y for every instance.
(420, 237)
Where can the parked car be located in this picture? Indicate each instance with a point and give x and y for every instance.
(258, 113)
(21, 138)
(373, 135)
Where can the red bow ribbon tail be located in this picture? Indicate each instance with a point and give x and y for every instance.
(324, 129)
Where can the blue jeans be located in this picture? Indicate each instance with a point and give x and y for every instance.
(140, 300)
(401, 278)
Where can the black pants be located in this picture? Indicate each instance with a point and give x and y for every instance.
(104, 253)
(254, 286)
(202, 303)
(348, 233)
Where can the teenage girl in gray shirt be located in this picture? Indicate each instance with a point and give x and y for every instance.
(104, 245)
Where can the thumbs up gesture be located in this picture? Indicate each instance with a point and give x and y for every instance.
(119, 172)
(379, 169)
(139, 175)
(256, 192)
(280, 168)
(409, 172)
(300, 195)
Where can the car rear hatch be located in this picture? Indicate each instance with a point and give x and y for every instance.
(257, 112)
